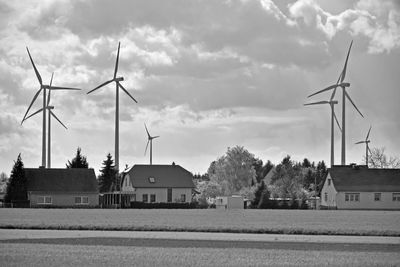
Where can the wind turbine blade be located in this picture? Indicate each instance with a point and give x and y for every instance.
(361, 142)
(48, 97)
(33, 114)
(323, 90)
(336, 119)
(116, 62)
(366, 139)
(334, 90)
(345, 64)
(348, 97)
(101, 85)
(34, 67)
(62, 88)
(148, 141)
(51, 112)
(126, 92)
(317, 103)
(33, 100)
(156, 136)
(148, 134)
(369, 150)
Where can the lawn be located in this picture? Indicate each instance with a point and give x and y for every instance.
(385, 223)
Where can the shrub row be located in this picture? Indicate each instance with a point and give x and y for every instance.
(174, 205)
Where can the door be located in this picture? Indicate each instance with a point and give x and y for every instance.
(169, 195)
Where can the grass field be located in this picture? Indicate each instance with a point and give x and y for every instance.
(375, 223)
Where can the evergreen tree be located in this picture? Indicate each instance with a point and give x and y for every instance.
(265, 202)
(17, 184)
(108, 175)
(79, 161)
(258, 194)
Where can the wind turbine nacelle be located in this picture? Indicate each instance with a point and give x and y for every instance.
(50, 107)
(345, 84)
(119, 79)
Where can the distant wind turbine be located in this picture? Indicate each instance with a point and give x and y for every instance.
(345, 95)
(43, 87)
(150, 140)
(118, 86)
(366, 142)
(331, 103)
(50, 108)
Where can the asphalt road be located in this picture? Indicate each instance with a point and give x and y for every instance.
(97, 248)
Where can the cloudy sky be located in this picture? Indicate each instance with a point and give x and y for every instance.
(207, 75)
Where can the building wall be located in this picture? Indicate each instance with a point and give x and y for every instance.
(66, 200)
(367, 201)
(161, 193)
(330, 191)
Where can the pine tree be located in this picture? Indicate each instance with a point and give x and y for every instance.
(17, 184)
(79, 161)
(258, 194)
(108, 174)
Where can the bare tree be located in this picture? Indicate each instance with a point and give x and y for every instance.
(378, 159)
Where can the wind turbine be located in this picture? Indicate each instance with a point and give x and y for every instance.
(366, 141)
(118, 86)
(345, 95)
(50, 108)
(150, 140)
(43, 87)
(332, 104)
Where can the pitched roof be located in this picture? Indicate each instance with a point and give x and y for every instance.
(363, 179)
(61, 180)
(164, 176)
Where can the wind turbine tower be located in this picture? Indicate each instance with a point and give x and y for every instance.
(345, 95)
(118, 86)
(43, 87)
(332, 104)
(150, 140)
(366, 142)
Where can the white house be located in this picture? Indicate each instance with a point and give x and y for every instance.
(158, 184)
(358, 187)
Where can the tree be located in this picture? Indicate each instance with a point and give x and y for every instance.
(108, 174)
(79, 161)
(258, 194)
(233, 171)
(3, 177)
(378, 159)
(306, 163)
(17, 184)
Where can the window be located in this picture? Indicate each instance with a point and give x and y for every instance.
(183, 198)
(152, 198)
(396, 196)
(377, 196)
(152, 180)
(329, 181)
(81, 200)
(45, 200)
(169, 195)
(133, 198)
(326, 196)
(145, 198)
(352, 197)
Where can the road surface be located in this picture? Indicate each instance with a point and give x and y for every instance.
(106, 248)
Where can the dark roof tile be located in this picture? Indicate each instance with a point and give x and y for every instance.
(164, 175)
(363, 179)
(61, 180)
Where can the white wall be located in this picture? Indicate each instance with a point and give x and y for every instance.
(367, 201)
(161, 193)
(66, 200)
(331, 191)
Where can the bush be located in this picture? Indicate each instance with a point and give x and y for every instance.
(174, 205)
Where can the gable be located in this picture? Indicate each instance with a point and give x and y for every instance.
(61, 180)
(160, 176)
(363, 179)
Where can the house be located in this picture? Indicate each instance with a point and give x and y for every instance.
(62, 187)
(229, 202)
(158, 184)
(358, 187)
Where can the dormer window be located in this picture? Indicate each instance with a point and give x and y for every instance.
(329, 181)
(152, 180)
